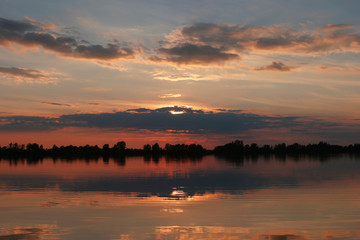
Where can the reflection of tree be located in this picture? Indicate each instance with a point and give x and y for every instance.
(120, 160)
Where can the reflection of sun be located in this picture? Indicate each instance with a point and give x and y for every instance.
(173, 112)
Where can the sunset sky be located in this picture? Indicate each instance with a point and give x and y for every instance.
(206, 71)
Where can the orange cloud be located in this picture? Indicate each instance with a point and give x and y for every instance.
(336, 27)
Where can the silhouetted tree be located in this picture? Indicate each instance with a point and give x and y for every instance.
(155, 148)
(147, 148)
(120, 146)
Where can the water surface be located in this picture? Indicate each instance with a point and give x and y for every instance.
(134, 198)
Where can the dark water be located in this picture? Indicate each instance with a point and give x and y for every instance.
(209, 198)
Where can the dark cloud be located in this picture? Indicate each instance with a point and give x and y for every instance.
(186, 120)
(15, 26)
(31, 34)
(24, 234)
(29, 123)
(205, 43)
(284, 237)
(28, 75)
(22, 72)
(161, 119)
(56, 104)
(276, 66)
(193, 54)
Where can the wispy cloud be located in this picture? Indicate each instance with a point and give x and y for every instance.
(276, 66)
(57, 104)
(336, 27)
(111, 65)
(170, 95)
(97, 89)
(340, 69)
(28, 75)
(30, 33)
(183, 77)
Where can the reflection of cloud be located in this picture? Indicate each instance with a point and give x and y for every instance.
(28, 233)
(206, 43)
(96, 219)
(200, 229)
(49, 204)
(124, 237)
(276, 66)
(172, 210)
(28, 75)
(284, 237)
(29, 33)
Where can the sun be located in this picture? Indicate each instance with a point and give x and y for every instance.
(173, 112)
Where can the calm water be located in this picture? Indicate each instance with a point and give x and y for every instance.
(208, 198)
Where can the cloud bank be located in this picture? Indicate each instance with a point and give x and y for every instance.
(170, 119)
(207, 43)
(193, 54)
(29, 33)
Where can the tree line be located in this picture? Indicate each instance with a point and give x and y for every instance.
(235, 148)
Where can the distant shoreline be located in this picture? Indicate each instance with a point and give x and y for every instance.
(235, 148)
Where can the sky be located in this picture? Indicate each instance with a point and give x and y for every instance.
(206, 72)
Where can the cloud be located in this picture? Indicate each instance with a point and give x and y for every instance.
(276, 66)
(170, 95)
(336, 27)
(27, 233)
(340, 69)
(284, 237)
(28, 75)
(97, 89)
(57, 104)
(186, 77)
(30, 33)
(111, 65)
(207, 43)
(187, 121)
(193, 54)
(176, 119)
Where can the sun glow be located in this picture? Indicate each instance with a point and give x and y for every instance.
(173, 112)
